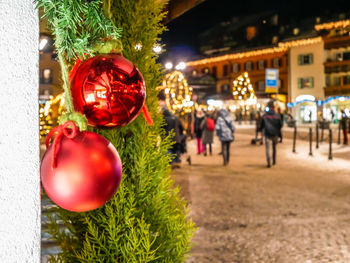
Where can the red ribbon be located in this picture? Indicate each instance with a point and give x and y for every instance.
(74, 69)
(61, 131)
(147, 115)
(145, 111)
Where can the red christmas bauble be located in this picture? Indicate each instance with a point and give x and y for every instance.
(87, 174)
(109, 90)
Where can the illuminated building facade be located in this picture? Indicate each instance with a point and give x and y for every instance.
(314, 71)
(227, 68)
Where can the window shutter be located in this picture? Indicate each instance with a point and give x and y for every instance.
(311, 59)
(312, 82)
(300, 83)
(300, 60)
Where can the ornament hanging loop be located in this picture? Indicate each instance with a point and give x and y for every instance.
(61, 131)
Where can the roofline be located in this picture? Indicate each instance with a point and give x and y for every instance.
(282, 47)
(332, 25)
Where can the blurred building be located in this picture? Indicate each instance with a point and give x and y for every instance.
(336, 37)
(306, 78)
(313, 60)
(227, 67)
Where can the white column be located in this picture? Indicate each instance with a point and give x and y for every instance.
(19, 133)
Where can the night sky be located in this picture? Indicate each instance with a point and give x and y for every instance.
(181, 38)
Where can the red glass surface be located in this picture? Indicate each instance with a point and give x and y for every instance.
(87, 175)
(109, 90)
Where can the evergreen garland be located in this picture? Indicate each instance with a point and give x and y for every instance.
(146, 221)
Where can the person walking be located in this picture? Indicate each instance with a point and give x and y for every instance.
(198, 131)
(173, 124)
(271, 125)
(344, 126)
(225, 130)
(208, 127)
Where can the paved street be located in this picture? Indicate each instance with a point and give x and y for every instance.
(298, 211)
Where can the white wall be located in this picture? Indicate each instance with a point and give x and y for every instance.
(315, 70)
(19, 133)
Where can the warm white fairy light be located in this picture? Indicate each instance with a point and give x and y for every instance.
(177, 92)
(242, 89)
(138, 46)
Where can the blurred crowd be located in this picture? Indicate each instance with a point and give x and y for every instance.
(203, 125)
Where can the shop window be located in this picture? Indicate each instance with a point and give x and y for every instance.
(276, 63)
(46, 76)
(236, 68)
(306, 83)
(225, 70)
(305, 59)
(249, 66)
(261, 64)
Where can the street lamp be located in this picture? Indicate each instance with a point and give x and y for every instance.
(181, 66)
(168, 65)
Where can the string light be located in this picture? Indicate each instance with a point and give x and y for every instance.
(331, 25)
(281, 48)
(177, 93)
(300, 42)
(238, 56)
(138, 46)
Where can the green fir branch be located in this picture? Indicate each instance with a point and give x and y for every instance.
(146, 221)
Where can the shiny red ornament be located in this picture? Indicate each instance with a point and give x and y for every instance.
(81, 171)
(108, 89)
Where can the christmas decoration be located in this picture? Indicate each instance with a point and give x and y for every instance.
(177, 93)
(147, 208)
(80, 171)
(242, 88)
(109, 90)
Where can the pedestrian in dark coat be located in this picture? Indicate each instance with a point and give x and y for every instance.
(344, 126)
(271, 125)
(225, 129)
(208, 133)
(173, 124)
(198, 131)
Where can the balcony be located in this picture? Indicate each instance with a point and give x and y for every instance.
(336, 42)
(337, 90)
(337, 66)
